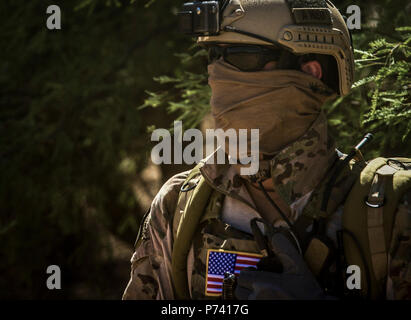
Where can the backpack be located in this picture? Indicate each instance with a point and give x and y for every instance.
(369, 192)
(369, 216)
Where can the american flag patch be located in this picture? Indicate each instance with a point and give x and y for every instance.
(219, 262)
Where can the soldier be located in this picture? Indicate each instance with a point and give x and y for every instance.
(291, 230)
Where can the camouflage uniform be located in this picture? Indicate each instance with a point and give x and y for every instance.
(296, 171)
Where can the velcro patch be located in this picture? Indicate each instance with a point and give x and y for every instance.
(321, 16)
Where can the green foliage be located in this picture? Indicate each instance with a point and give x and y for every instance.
(69, 119)
(391, 83)
(380, 100)
(189, 96)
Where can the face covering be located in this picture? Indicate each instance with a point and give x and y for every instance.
(282, 104)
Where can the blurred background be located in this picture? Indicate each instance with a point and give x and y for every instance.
(77, 108)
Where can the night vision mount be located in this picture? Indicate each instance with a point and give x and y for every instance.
(203, 18)
(200, 18)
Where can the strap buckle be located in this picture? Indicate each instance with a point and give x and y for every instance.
(374, 205)
(186, 186)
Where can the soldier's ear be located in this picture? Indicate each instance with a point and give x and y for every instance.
(312, 67)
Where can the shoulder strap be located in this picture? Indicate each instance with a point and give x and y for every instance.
(368, 219)
(193, 199)
(185, 193)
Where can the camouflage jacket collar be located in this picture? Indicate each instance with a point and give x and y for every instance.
(296, 170)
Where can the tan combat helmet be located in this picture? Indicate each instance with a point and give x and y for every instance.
(301, 26)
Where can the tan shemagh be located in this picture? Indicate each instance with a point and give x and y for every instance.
(282, 104)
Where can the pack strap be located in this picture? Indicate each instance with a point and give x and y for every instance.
(186, 192)
(190, 218)
(375, 221)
